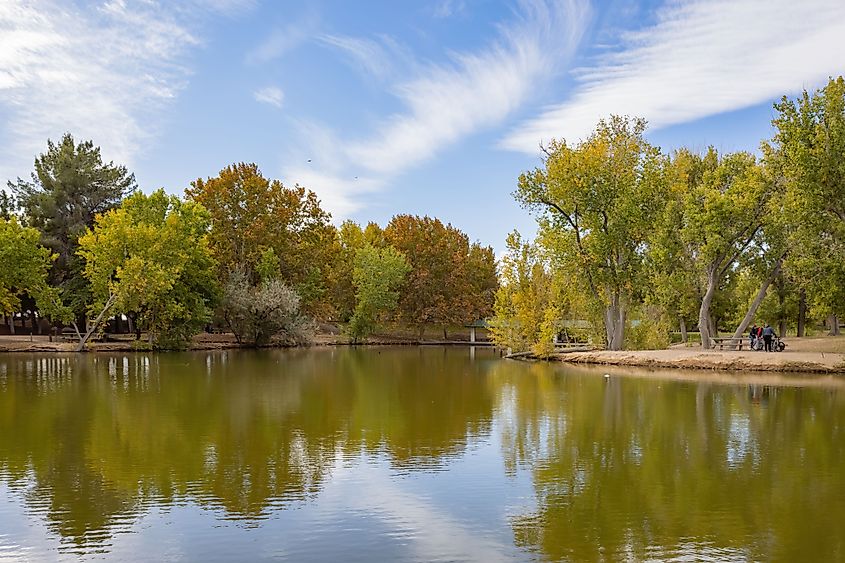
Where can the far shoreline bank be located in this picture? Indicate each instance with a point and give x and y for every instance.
(677, 358)
(207, 342)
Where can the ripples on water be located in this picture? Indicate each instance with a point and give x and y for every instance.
(408, 454)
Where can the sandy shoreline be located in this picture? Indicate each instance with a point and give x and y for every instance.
(694, 358)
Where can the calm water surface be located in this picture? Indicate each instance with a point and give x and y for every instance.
(408, 454)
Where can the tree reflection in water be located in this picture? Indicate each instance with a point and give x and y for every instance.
(98, 438)
(629, 468)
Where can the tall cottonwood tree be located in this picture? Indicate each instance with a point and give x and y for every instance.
(723, 215)
(352, 238)
(809, 149)
(150, 256)
(672, 282)
(596, 204)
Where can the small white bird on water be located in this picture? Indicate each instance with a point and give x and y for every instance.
(607, 376)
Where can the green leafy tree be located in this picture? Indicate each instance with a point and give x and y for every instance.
(377, 275)
(724, 214)
(352, 238)
(524, 298)
(764, 263)
(268, 266)
(70, 186)
(150, 256)
(596, 204)
(809, 150)
(672, 283)
(26, 265)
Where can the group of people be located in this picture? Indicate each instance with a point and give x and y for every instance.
(764, 334)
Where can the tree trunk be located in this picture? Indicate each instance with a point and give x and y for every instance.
(614, 324)
(704, 320)
(684, 335)
(151, 332)
(81, 320)
(12, 323)
(802, 311)
(445, 337)
(761, 294)
(833, 320)
(781, 308)
(93, 325)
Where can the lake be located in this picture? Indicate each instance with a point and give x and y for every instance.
(409, 454)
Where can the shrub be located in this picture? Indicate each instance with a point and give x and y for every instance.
(256, 314)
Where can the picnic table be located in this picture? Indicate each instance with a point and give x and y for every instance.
(730, 342)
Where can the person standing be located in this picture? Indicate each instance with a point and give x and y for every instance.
(768, 334)
(752, 336)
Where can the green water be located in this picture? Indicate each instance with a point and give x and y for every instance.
(397, 454)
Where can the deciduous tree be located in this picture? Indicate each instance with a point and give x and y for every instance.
(809, 149)
(151, 256)
(377, 275)
(25, 268)
(440, 288)
(672, 282)
(250, 213)
(523, 299)
(596, 203)
(723, 214)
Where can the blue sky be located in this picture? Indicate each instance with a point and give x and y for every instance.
(384, 107)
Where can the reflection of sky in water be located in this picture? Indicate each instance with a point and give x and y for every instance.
(739, 439)
(365, 511)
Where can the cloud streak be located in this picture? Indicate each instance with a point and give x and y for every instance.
(271, 95)
(446, 102)
(101, 72)
(284, 40)
(367, 55)
(700, 58)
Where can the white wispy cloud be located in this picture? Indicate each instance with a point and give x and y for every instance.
(366, 54)
(272, 95)
(284, 39)
(447, 102)
(100, 71)
(448, 8)
(700, 58)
